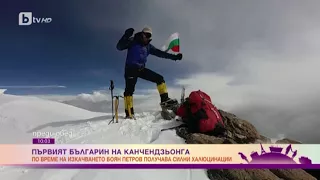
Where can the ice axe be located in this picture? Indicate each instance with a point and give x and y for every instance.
(183, 94)
(182, 100)
(111, 89)
(116, 103)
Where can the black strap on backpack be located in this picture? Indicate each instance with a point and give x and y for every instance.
(193, 125)
(201, 113)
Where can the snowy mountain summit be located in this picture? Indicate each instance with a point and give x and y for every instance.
(21, 118)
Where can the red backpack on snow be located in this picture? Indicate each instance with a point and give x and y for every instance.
(199, 113)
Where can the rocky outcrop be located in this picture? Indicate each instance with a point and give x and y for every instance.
(241, 174)
(313, 172)
(264, 140)
(239, 131)
(287, 141)
(198, 138)
(292, 174)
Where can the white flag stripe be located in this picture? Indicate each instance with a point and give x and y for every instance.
(171, 38)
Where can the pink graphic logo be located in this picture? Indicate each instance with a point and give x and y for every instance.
(275, 156)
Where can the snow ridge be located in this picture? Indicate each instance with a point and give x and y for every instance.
(21, 116)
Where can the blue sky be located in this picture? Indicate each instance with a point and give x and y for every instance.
(69, 51)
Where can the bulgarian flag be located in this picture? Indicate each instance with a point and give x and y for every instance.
(172, 44)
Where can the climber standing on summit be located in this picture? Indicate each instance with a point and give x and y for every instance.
(138, 48)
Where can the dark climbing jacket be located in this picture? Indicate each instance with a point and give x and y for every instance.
(200, 115)
(137, 52)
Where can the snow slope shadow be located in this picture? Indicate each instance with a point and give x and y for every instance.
(71, 122)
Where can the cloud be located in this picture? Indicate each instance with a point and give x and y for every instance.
(277, 102)
(95, 96)
(55, 97)
(100, 101)
(279, 94)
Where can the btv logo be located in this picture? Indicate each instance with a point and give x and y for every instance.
(25, 19)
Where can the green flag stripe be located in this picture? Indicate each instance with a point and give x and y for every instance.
(173, 43)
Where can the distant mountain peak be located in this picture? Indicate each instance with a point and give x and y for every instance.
(2, 91)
